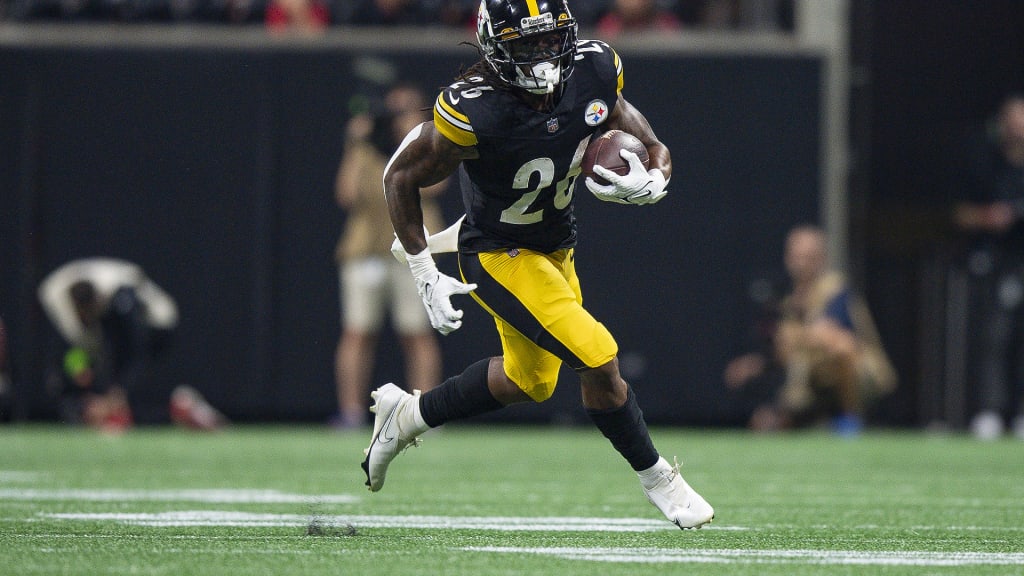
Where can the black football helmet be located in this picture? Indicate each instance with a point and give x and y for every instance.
(530, 44)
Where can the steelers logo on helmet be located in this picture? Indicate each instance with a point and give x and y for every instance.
(530, 44)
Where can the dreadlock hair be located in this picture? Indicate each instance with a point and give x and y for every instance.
(483, 70)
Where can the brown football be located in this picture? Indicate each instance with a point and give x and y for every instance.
(604, 151)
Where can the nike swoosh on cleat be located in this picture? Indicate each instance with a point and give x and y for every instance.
(382, 437)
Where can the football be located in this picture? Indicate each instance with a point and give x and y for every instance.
(604, 151)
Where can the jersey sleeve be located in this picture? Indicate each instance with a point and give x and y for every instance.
(617, 62)
(604, 59)
(451, 121)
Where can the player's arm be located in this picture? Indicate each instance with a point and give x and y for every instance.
(424, 158)
(641, 185)
(54, 295)
(629, 119)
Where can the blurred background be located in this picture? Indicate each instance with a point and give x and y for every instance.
(200, 139)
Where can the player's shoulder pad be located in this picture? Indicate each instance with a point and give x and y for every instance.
(603, 58)
(450, 119)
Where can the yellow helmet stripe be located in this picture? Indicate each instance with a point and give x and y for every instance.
(531, 5)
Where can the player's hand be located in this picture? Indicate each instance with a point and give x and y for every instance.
(436, 293)
(638, 186)
(436, 290)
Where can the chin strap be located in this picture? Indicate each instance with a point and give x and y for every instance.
(545, 77)
(551, 77)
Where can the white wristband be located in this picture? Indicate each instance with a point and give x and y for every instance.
(422, 264)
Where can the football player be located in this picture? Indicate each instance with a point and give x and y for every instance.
(515, 125)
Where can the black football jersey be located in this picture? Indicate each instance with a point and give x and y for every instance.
(519, 192)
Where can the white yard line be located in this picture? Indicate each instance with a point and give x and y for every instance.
(187, 518)
(816, 557)
(232, 518)
(18, 476)
(215, 496)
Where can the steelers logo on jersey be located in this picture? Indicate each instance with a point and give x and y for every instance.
(595, 113)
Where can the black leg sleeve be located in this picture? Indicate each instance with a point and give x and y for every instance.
(626, 429)
(459, 397)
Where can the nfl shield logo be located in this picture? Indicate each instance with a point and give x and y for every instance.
(552, 125)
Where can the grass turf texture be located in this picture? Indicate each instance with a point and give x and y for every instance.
(502, 500)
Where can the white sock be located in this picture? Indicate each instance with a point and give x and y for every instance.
(416, 424)
(650, 476)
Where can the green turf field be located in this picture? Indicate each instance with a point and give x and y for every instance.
(502, 500)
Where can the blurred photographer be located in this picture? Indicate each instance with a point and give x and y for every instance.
(993, 212)
(114, 323)
(372, 283)
(820, 358)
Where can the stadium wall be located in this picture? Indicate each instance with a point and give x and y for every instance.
(209, 159)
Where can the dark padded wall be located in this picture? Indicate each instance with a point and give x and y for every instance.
(213, 169)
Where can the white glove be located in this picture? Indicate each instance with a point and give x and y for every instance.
(436, 290)
(639, 186)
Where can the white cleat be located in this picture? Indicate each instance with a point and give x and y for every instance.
(667, 490)
(987, 425)
(392, 431)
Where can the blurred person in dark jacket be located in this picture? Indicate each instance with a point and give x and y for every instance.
(6, 384)
(993, 212)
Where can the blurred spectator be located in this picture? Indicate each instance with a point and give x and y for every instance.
(235, 11)
(6, 384)
(636, 16)
(222, 11)
(458, 13)
(114, 322)
(305, 17)
(822, 360)
(764, 15)
(372, 283)
(992, 210)
(392, 13)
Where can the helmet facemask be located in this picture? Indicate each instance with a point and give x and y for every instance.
(537, 56)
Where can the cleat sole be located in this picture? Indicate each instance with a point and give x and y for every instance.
(366, 468)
